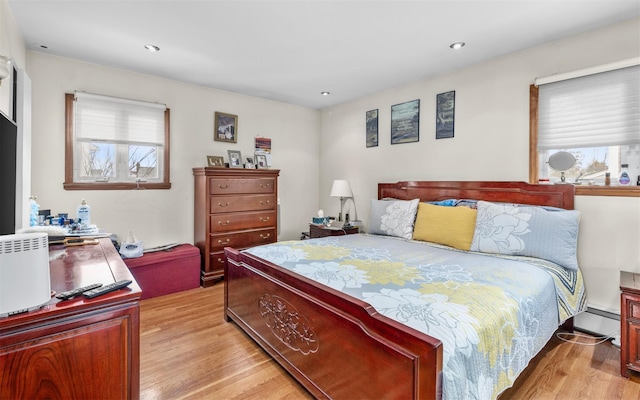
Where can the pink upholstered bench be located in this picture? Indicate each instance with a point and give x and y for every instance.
(167, 271)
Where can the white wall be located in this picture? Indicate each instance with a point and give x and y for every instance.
(491, 143)
(312, 149)
(166, 216)
(12, 46)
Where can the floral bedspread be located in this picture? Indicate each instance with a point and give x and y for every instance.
(493, 314)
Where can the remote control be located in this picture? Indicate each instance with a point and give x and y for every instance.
(106, 289)
(74, 292)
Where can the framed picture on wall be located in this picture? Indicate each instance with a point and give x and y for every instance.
(405, 122)
(372, 128)
(445, 114)
(225, 127)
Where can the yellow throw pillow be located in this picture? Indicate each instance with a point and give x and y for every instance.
(451, 226)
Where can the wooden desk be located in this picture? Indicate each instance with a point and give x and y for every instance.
(630, 323)
(78, 348)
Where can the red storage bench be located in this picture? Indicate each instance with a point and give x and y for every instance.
(167, 271)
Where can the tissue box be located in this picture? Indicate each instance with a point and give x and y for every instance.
(320, 220)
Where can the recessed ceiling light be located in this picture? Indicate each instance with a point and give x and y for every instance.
(151, 47)
(457, 45)
(325, 93)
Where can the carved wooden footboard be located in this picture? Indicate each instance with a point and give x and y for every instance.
(335, 346)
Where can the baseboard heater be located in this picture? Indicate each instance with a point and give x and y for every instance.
(598, 322)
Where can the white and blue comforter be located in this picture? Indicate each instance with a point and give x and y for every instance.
(493, 314)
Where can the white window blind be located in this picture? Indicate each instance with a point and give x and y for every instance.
(602, 109)
(116, 120)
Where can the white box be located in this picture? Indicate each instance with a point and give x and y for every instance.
(25, 282)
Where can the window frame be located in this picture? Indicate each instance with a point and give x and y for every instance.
(69, 183)
(581, 190)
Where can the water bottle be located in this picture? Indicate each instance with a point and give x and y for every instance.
(83, 213)
(34, 209)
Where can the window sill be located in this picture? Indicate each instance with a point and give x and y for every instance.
(114, 186)
(620, 191)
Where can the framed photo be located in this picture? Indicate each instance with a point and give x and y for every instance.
(261, 161)
(405, 122)
(215, 161)
(250, 164)
(372, 128)
(225, 127)
(235, 159)
(445, 114)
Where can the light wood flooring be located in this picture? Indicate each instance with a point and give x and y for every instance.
(188, 351)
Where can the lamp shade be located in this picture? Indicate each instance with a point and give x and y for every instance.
(341, 188)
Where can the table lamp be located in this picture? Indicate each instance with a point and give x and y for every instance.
(341, 189)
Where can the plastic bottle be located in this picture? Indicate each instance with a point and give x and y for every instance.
(83, 213)
(624, 178)
(34, 208)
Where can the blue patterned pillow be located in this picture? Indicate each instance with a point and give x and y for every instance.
(527, 231)
(393, 218)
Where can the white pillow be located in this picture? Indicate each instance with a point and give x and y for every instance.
(393, 218)
(527, 231)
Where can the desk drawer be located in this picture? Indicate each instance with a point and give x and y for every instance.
(223, 185)
(227, 204)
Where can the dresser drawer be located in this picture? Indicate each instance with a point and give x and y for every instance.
(633, 303)
(242, 221)
(242, 239)
(216, 262)
(241, 186)
(227, 204)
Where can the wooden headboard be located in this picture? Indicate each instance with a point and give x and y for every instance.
(560, 196)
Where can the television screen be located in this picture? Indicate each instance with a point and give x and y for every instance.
(8, 143)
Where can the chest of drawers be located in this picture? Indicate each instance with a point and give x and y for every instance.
(233, 208)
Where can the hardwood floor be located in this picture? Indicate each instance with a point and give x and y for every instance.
(187, 351)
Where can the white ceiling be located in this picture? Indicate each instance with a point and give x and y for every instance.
(290, 51)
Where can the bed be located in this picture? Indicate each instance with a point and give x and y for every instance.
(328, 335)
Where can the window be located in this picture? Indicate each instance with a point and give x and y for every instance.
(597, 119)
(114, 143)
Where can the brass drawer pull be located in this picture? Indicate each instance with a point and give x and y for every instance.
(262, 219)
(223, 186)
(264, 185)
(267, 236)
(225, 242)
(223, 223)
(223, 205)
(262, 202)
(220, 260)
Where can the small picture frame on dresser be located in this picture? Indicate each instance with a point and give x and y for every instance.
(261, 161)
(249, 164)
(215, 161)
(235, 159)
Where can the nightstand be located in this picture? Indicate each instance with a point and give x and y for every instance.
(630, 323)
(318, 231)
